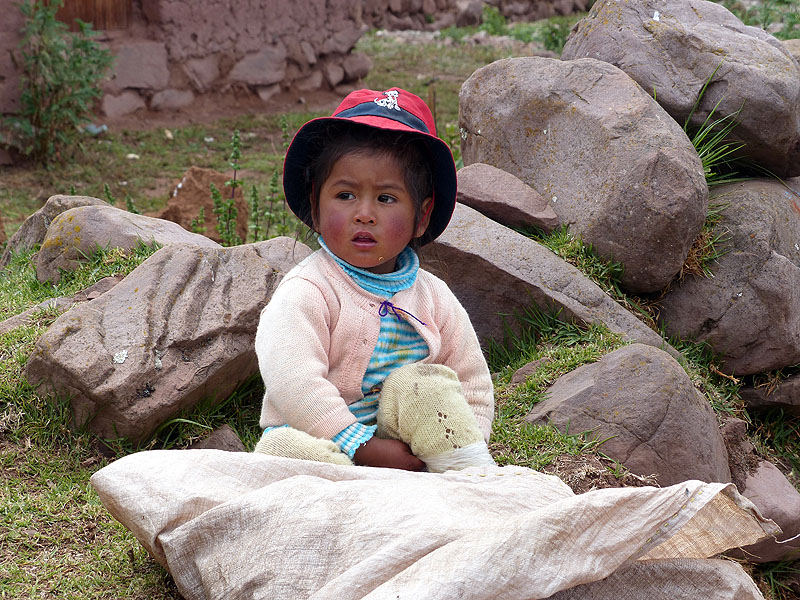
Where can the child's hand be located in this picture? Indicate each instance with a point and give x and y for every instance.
(392, 454)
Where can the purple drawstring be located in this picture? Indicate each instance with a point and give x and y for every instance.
(387, 306)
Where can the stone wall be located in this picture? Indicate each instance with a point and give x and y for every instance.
(173, 50)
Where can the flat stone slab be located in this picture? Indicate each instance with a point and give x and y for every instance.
(496, 272)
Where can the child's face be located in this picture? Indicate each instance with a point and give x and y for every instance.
(366, 214)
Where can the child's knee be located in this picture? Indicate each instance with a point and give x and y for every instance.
(423, 405)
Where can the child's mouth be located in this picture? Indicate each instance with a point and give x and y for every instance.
(363, 239)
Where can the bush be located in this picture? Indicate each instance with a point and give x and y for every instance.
(60, 76)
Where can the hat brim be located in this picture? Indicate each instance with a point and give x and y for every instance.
(303, 150)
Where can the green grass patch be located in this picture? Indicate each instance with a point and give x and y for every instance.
(773, 579)
(550, 33)
(780, 17)
(702, 366)
(59, 541)
(605, 273)
(562, 347)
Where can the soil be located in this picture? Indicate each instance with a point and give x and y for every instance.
(586, 473)
(214, 106)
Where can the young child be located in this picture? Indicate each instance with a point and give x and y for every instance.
(366, 358)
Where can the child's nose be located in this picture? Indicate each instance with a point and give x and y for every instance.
(364, 213)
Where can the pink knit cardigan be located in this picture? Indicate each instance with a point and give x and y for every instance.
(319, 330)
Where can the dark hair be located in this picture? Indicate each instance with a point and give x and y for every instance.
(340, 139)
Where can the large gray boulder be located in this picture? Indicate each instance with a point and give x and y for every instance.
(672, 47)
(495, 272)
(77, 233)
(178, 329)
(613, 164)
(749, 312)
(34, 228)
(642, 402)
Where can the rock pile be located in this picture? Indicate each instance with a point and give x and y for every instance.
(599, 136)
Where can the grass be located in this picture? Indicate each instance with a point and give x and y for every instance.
(550, 33)
(57, 539)
(149, 179)
(709, 246)
(773, 579)
(562, 347)
(779, 17)
(605, 273)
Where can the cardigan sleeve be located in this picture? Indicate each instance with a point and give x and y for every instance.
(292, 346)
(461, 352)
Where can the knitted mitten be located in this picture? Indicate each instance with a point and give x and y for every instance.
(293, 443)
(423, 406)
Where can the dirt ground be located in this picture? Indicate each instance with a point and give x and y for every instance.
(211, 107)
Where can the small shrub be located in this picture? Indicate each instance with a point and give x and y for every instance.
(225, 209)
(493, 22)
(60, 76)
(553, 33)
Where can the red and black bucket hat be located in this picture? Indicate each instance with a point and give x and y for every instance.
(394, 109)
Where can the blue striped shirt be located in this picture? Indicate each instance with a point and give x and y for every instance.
(398, 344)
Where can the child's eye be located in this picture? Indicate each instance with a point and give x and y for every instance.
(386, 199)
(345, 196)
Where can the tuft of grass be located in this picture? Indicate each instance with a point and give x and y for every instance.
(702, 366)
(241, 410)
(605, 273)
(719, 155)
(775, 579)
(709, 246)
(776, 435)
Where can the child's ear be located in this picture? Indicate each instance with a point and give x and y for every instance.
(422, 225)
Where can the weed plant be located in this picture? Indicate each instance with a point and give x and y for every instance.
(779, 17)
(61, 73)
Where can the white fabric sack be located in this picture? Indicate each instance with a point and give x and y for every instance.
(239, 525)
